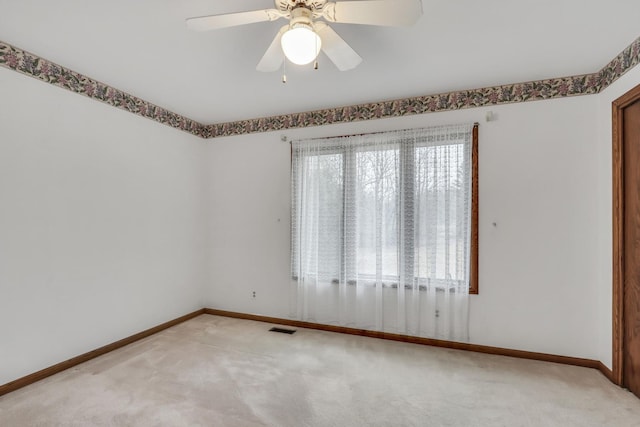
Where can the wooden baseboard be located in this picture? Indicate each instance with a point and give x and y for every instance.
(607, 372)
(545, 357)
(44, 373)
(51, 370)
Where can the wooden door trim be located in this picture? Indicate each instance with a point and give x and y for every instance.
(618, 229)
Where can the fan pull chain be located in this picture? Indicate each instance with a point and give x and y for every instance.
(315, 63)
(284, 70)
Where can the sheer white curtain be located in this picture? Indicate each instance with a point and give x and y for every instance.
(381, 231)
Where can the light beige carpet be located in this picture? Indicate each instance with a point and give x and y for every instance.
(216, 371)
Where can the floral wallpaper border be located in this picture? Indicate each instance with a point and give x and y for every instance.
(626, 60)
(519, 92)
(42, 69)
(26, 63)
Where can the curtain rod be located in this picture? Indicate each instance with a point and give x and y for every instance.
(284, 138)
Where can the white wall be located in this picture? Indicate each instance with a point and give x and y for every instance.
(110, 223)
(604, 191)
(101, 224)
(539, 273)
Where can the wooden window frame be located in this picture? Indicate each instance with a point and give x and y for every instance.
(474, 285)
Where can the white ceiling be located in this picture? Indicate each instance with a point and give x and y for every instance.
(143, 47)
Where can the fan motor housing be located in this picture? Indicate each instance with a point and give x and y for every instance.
(289, 5)
(301, 16)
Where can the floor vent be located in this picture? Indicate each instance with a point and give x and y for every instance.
(282, 330)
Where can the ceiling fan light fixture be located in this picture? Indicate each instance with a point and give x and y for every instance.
(308, 31)
(301, 44)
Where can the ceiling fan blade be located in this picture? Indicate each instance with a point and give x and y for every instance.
(214, 22)
(273, 57)
(338, 51)
(395, 13)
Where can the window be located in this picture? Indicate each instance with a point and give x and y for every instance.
(394, 210)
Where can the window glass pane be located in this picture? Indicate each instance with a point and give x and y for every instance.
(441, 212)
(377, 213)
(329, 177)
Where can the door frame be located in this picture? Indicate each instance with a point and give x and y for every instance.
(618, 229)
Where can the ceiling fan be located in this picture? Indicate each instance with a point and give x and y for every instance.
(305, 35)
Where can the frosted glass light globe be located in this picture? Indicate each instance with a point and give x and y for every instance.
(301, 44)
